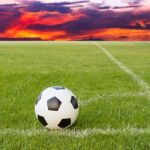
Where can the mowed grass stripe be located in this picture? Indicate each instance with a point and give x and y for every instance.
(144, 86)
(76, 133)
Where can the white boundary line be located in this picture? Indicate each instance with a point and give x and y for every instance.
(144, 86)
(81, 133)
(75, 133)
(105, 96)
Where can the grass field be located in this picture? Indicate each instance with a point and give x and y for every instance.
(111, 80)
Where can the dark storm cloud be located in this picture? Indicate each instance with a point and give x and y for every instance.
(3, 10)
(72, 3)
(125, 7)
(105, 7)
(39, 6)
(62, 7)
(94, 19)
(8, 15)
(134, 2)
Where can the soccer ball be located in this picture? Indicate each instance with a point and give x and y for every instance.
(56, 108)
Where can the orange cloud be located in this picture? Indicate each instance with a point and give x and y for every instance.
(53, 18)
(18, 29)
(14, 32)
(116, 34)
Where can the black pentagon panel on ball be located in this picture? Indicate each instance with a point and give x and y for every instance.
(74, 102)
(42, 120)
(64, 123)
(53, 104)
(39, 97)
(58, 87)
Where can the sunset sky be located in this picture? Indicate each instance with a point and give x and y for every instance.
(75, 20)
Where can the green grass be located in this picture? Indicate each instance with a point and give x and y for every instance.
(27, 68)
